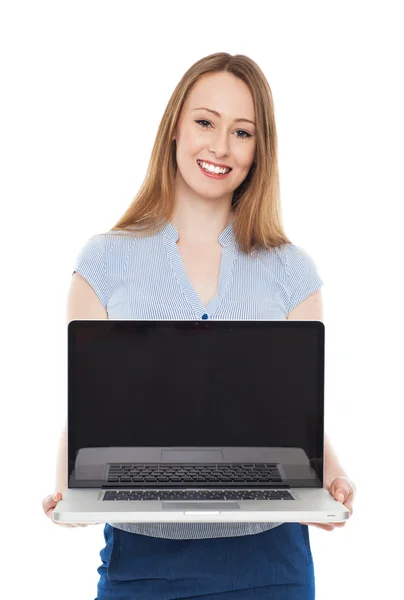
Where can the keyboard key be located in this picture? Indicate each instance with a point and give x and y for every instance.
(198, 495)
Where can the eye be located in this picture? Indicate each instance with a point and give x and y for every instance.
(247, 135)
(241, 137)
(203, 121)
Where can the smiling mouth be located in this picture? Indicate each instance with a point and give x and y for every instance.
(212, 169)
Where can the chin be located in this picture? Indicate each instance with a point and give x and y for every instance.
(211, 194)
(206, 191)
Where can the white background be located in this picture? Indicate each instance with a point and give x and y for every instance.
(84, 86)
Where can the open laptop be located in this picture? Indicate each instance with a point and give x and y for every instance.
(196, 421)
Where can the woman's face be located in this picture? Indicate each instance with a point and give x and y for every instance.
(216, 127)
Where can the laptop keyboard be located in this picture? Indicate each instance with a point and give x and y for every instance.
(198, 495)
(167, 476)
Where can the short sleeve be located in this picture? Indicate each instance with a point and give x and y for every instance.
(91, 264)
(302, 275)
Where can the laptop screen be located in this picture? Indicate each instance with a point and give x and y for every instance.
(202, 384)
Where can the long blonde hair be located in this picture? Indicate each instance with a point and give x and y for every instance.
(256, 202)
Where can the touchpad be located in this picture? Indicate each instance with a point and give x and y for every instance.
(192, 455)
(201, 506)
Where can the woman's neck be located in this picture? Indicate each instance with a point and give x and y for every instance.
(200, 220)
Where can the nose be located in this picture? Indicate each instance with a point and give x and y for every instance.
(219, 144)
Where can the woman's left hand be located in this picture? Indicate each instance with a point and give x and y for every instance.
(346, 487)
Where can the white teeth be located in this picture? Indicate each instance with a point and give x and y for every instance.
(212, 169)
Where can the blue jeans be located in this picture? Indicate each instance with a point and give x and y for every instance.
(276, 564)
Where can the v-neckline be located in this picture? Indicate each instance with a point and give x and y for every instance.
(227, 241)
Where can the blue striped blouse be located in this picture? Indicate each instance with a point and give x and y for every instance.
(145, 278)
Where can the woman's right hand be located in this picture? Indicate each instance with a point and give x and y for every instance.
(48, 505)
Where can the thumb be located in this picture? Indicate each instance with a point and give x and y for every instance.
(49, 502)
(341, 495)
(340, 489)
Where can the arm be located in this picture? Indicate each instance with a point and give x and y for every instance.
(61, 463)
(311, 309)
(83, 303)
(332, 466)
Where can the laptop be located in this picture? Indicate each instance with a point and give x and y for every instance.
(196, 421)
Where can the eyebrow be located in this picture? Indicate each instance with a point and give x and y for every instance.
(218, 115)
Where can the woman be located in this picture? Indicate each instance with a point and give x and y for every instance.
(203, 240)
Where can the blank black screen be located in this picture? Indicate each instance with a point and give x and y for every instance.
(188, 383)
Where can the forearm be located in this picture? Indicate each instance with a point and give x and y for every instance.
(332, 466)
(61, 463)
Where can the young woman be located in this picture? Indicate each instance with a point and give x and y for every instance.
(203, 240)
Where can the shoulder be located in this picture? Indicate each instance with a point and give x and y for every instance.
(295, 269)
(100, 258)
(289, 255)
(281, 257)
(93, 250)
(109, 245)
(297, 258)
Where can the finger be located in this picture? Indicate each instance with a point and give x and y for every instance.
(349, 505)
(325, 526)
(62, 524)
(320, 523)
(341, 494)
(349, 495)
(70, 525)
(48, 503)
(344, 495)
